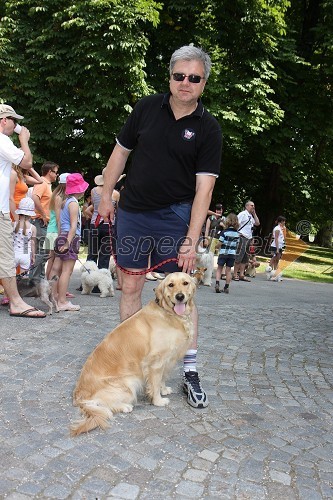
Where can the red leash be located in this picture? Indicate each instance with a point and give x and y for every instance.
(134, 273)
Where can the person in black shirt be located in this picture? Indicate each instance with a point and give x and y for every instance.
(176, 148)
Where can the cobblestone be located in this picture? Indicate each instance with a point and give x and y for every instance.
(265, 359)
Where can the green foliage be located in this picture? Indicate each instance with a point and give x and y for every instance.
(74, 70)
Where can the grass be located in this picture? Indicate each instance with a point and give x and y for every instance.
(306, 261)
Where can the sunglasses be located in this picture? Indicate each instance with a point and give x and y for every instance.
(55, 172)
(11, 118)
(180, 77)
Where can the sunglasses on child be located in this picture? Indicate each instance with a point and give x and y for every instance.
(180, 77)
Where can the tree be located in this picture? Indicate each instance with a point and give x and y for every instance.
(75, 70)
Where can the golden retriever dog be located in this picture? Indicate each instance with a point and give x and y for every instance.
(139, 353)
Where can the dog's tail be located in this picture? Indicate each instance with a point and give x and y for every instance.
(94, 416)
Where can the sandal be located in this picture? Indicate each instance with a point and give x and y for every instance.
(243, 278)
(69, 307)
(236, 278)
(27, 313)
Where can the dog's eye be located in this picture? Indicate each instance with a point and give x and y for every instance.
(185, 283)
(170, 285)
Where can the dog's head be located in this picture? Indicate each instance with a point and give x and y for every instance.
(268, 269)
(175, 293)
(88, 266)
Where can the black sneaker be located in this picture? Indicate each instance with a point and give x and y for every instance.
(196, 396)
(226, 289)
(217, 288)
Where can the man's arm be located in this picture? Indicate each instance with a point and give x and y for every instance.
(12, 185)
(114, 169)
(187, 252)
(24, 137)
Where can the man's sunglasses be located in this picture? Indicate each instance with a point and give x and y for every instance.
(180, 77)
(11, 118)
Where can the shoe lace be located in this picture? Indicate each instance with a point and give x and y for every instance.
(193, 379)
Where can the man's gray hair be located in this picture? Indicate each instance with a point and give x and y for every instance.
(190, 53)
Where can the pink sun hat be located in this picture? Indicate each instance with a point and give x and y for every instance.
(75, 184)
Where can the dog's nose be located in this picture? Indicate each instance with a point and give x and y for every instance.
(180, 297)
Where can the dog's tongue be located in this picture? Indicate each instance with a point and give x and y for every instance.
(180, 309)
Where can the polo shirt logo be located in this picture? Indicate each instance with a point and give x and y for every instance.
(188, 134)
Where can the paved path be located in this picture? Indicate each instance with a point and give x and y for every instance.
(265, 361)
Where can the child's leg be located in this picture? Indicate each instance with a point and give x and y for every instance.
(227, 275)
(49, 265)
(67, 269)
(218, 273)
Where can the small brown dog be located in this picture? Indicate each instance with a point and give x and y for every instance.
(199, 275)
(138, 353)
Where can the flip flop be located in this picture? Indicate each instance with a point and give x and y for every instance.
(243, 278)
(236, 278)
(25, 314)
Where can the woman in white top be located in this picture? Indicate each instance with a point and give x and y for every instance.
(278, 242)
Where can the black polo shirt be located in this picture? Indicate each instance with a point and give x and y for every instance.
(168, 153)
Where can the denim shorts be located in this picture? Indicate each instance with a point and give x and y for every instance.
(228, 260)
(158, 233)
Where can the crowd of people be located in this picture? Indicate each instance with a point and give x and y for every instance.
(176, 145)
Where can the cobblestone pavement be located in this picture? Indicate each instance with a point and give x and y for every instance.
(265, 359)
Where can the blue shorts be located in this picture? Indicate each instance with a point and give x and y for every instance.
(228, 260)
(158, 233)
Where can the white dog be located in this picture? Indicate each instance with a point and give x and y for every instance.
(91, 276)
(206, 259)
(272, 275)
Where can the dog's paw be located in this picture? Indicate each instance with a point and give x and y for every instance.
(166, 390)
(125, 408)
(161, 401)
(103, 295)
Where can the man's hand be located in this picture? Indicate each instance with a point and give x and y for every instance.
(187, 256)
(24, 135)
(106, 209)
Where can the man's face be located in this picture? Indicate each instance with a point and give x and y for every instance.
(54, 174)
(250, 207)
(9, 124)
(185, 91)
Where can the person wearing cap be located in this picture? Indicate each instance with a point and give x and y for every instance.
(176, 146)
(9, 155)
(67, 244)
(53, 227)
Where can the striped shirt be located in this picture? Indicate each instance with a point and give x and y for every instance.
(229, 239)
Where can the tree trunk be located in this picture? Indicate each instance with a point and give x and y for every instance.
(324, 235)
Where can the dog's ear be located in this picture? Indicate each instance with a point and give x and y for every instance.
(159, 292)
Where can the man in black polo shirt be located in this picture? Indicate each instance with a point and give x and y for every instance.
(177, 155)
